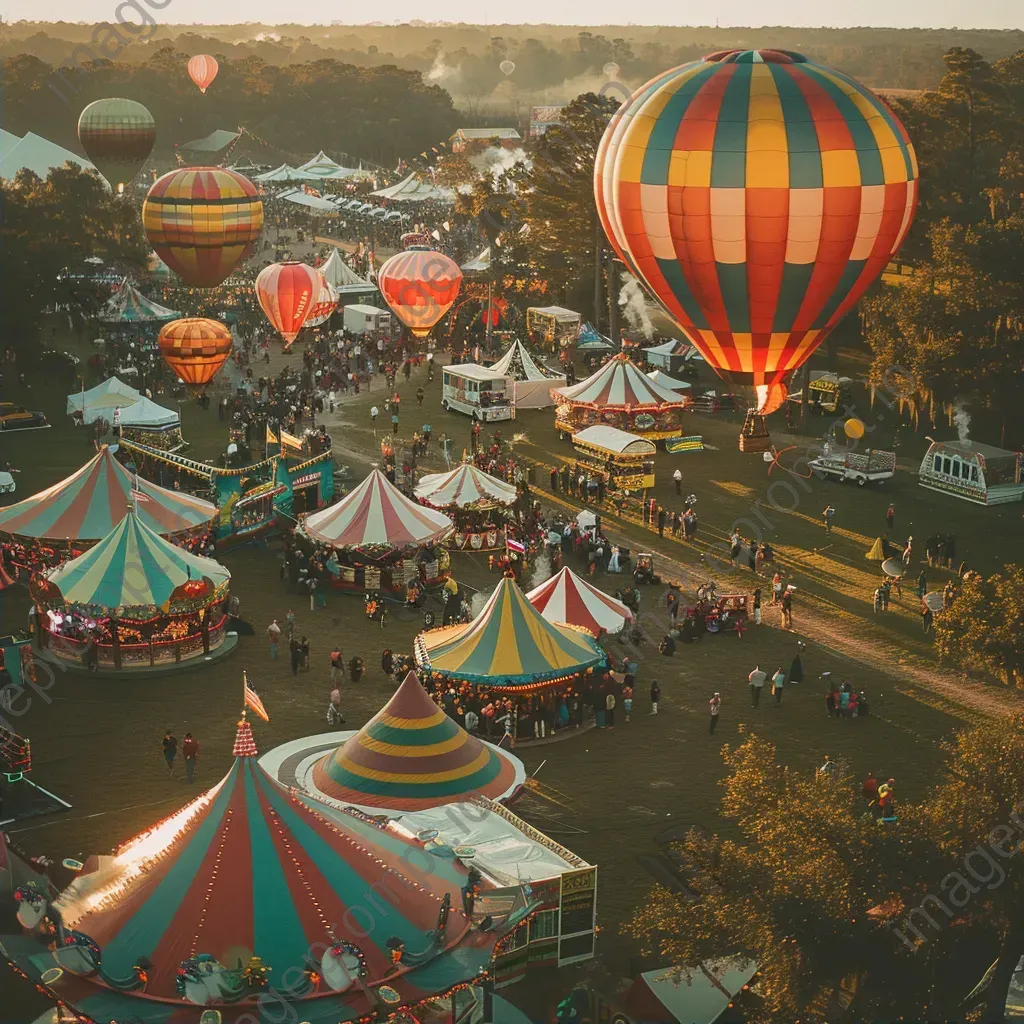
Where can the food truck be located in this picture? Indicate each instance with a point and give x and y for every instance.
(625, 460)
(553, 326)
(477, 391)
(826, 392)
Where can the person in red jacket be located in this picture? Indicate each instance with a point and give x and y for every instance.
(190, 751)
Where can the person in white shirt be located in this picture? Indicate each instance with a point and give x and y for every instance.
(756, 680)
(678, 477)
(472, 721)
(715, 704)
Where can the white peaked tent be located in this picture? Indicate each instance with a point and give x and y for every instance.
(479, 263)
(662, 378)
(101, 401)
(320, 166)
(531, 382)
(301, 198)
(339, 273)
(282, 173)
(411, 189)
(7, 142)
(145, 414)
(38, 155)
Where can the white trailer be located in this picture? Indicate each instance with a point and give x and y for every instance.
(360, 319)
(870, 466)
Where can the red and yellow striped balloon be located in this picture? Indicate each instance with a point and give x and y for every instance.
(195, 349)
(420, 286)
(757, 195)
(288, 293)
(203, 222)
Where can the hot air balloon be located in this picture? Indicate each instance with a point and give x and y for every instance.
(203, 222)
(325, 304)
(202, 69)
(195, 349)
(288, 293)
(507, 67)
(117, 136)
(757, 195)
(420, 286)
(611, 70)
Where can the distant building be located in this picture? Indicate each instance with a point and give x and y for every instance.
(542, 118)
(472, 140)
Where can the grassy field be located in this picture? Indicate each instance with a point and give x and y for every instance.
(606, 795)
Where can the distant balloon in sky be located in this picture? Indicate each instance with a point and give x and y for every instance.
(117, 136)
(202, 69)
(507, 67)
(611, 70)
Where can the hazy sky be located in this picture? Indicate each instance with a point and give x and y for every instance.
(798, 13)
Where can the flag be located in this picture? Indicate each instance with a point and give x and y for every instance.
(252, 700)
(271, 436)
(137, 495)
(291, 440)
(513, 545)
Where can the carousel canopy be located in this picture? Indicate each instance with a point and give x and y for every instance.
(464, 487)
(249, 868)
(568, 598)
(129, 306)
(411, 756)
(90, 503)
(508, 644)
(377, 512)
(132, 567)
(619, 384)
(518, 364)
(102, 399)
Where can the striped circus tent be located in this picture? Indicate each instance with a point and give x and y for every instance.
(133, 567)
(129, 306)
(411, 756)
(251, 869)
(508, 646)
(377, 513)
(464, 487)
(87, 505)
(620, 384)
(568, 598)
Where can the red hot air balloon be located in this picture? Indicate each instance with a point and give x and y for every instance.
(202, 69)
(420, 286)
(757, 195)
(288, 293)
(195, 349)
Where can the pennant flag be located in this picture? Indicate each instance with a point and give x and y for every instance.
(252, 700)
(513, 545)
(291, 440)
(137, 495)
(271, 436)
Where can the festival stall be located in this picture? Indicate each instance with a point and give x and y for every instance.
(570, 599)
(251, 890)
(99, 403)
(673, 356)
(478, 391)
(379, 539)
(975, 472)
(553, 326)
(477, 503)
(509, 648)
(619, 395)
(624, 460)
(591, 340)
(151, 424)
(671, 383)
(531, 381)
(351, 288)
(134, 600)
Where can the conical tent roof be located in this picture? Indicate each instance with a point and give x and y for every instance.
(133, 566)
(619, 384)
(508, 644)
(518, 364)
(249, 868)
(568, 598)
(129, 306)
(338, 272)
(90, 503)
(465, 486)
(377, 513)
(411, 756)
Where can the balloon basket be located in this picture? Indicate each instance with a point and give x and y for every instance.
(754, 436)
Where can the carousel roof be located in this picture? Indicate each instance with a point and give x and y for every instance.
(412, 756)
(508, 644)
(464, 487)
(132, 566)
(376, 512)
(618, 384)
(568, 598)
(90, 503)
(249, 868)
(129, 306)
(518, 364)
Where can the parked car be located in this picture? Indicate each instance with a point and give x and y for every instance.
(17, 417)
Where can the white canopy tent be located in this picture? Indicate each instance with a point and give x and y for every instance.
(101, 401)
(301, 198)
(282, 173)
(531, 382)
(339, 273)
(146, 414)
(480, 263)
(36, 154)
(411, 189)
(662, 378)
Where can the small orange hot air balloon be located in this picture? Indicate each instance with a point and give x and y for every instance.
(420, 286)
(195, 349)
(202, 69)
(288, 293)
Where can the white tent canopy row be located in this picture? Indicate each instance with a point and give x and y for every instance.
(411, 189)
(36, 154)
(101, 401)
(301, 198)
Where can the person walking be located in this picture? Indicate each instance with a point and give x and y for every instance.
(787, 609)
(170, 745)
(334, 714)
(609, 709)
(374, 413)
(756, 680)
(926, 619)
(677, 476)
(778, 683)
(394, 423)
(890, 516)
(661, 521)
(655, 696)
(554, 479)
(715, 704)
(757, 606)
(274, 636)
(627, 701)
(827, 516)
(295, 649)
(190, 751)
(290, 621)
(337, 664)
(420, 394)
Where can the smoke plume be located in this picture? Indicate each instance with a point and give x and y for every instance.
(634, 306)
(962, 421)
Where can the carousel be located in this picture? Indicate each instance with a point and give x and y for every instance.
(479, 505)
(253, 892)
(620, 395)
(568, 598)
(379, 540)
(509, 648)
(133, 601)
(66, 519)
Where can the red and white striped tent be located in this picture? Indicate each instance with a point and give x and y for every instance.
(619, 384)
(465, 487)
(568, 598)
(377, 513)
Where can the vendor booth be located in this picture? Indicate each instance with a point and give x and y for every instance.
(378, 540)
(569, 598)
(151, 424)
(531, 381)
(134, 600)
(620, 395)
(671, 383)
(975, 472)
(477, 503)
(678, 358)
(553, 327)
(625, 460)
(826, 392)
(99, 403)
(478, 391)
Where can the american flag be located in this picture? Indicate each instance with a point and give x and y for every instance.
(252, 700)
(136, 491)
(513, 545)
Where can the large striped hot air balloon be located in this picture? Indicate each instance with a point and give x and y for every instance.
(420, 286)
(288, 293)
(202, 69)
(757, 195)
(203, 222)
(117, 136)
(195, 349)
